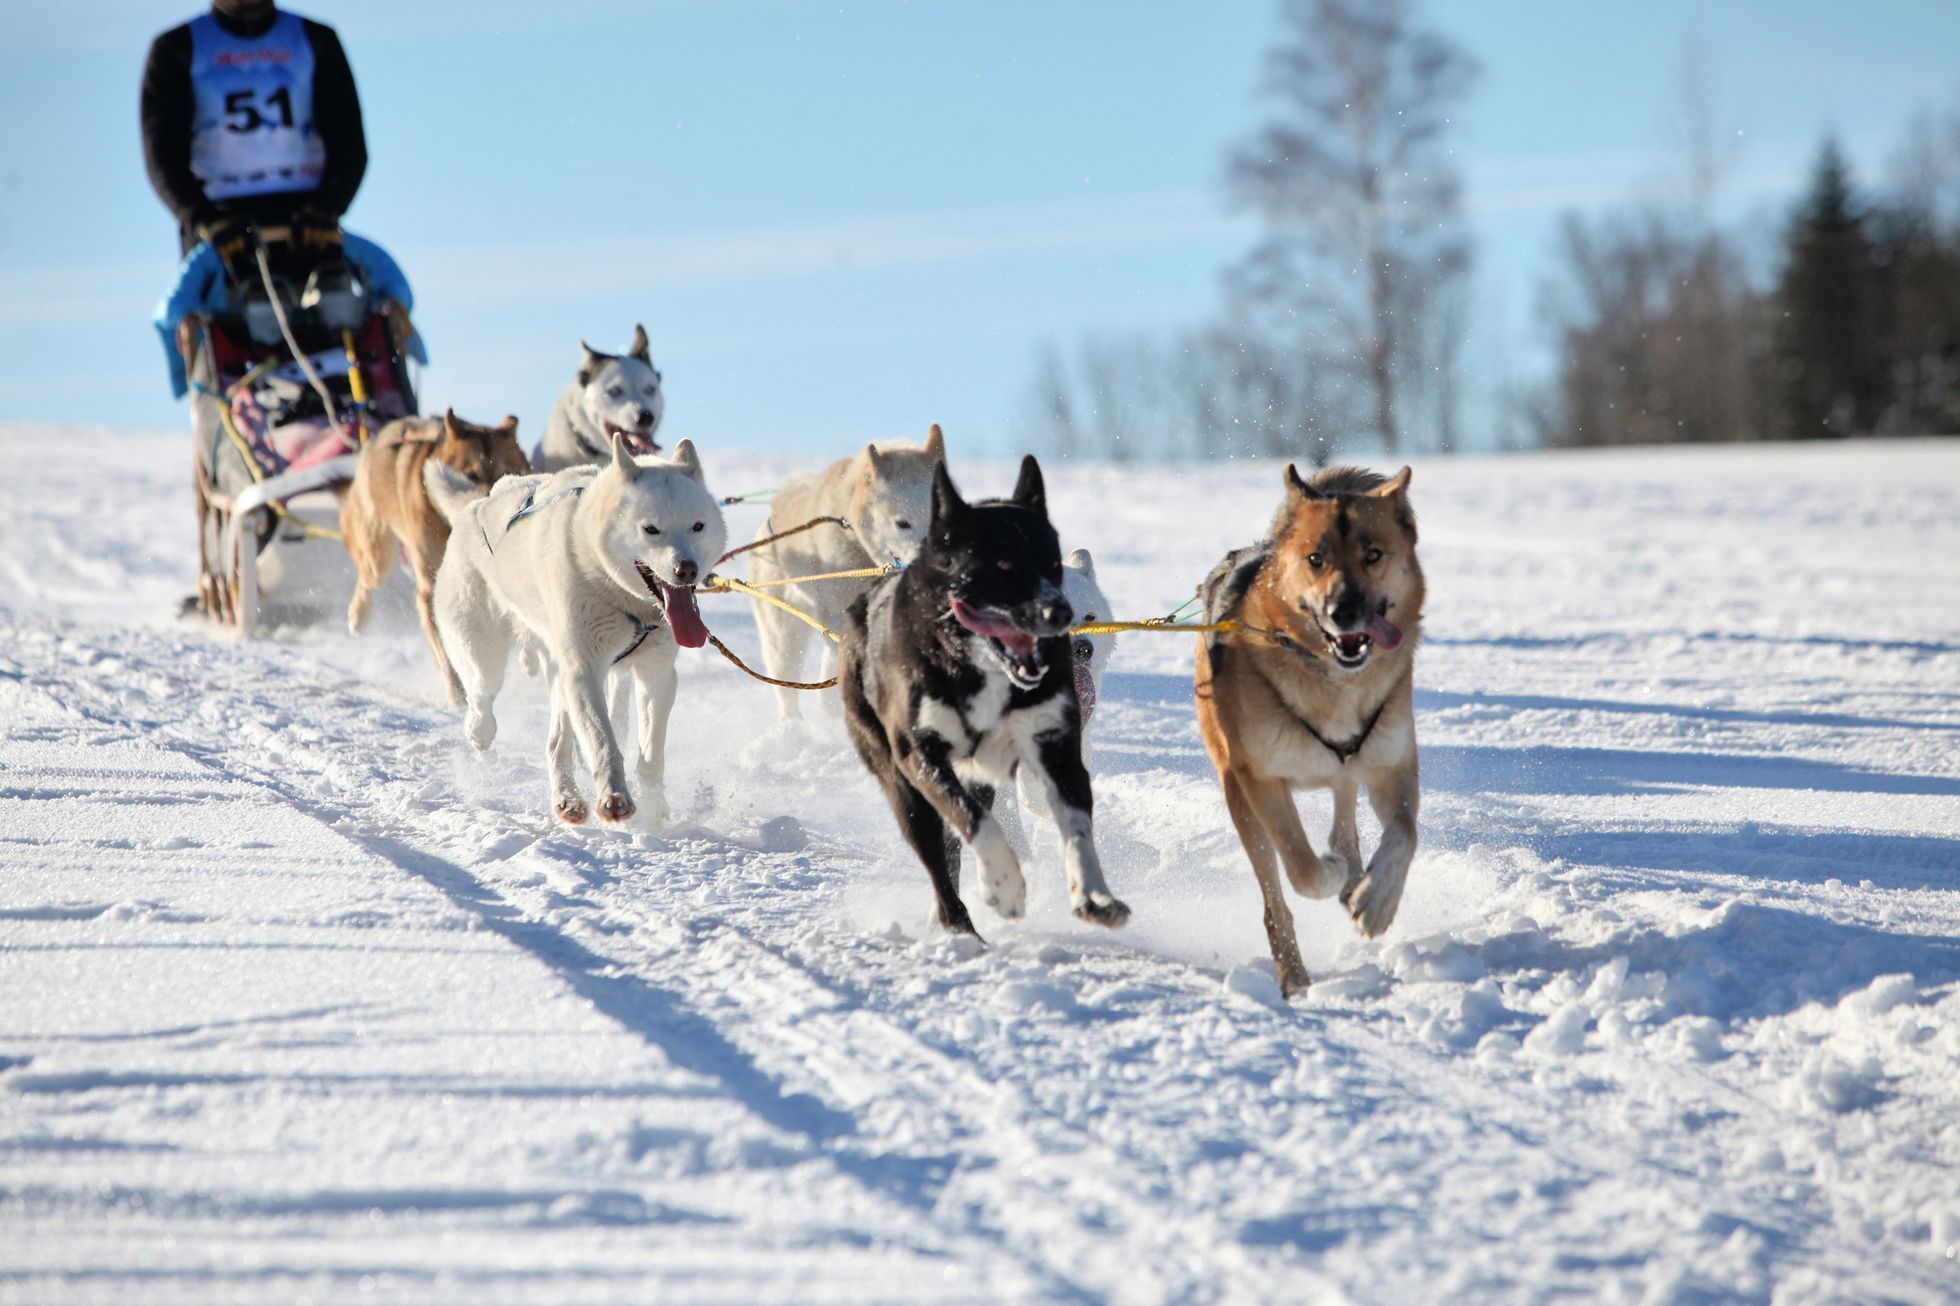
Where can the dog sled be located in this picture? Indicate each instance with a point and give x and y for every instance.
(288, 372)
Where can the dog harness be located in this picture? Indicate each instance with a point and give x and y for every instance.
(1344, 752)
(532, 504)
(1223, 590)
(252, 131)
(525, 509)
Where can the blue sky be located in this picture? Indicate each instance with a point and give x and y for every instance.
(845, 221)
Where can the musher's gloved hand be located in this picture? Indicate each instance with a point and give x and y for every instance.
(231, 237)
(316, 231)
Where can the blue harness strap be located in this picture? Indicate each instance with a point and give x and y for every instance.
(528, 507)
(524, 510)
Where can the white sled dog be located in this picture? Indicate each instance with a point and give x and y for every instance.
(885, 492)
(598, 565)
(613, 394)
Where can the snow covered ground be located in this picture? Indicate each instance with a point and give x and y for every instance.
(302, 1001)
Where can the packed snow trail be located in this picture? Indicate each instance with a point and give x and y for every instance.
(305, 1000)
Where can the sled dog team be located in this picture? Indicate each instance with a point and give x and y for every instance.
(958, 668)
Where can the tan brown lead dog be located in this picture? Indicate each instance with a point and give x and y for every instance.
(388, 502)
(1313, 692)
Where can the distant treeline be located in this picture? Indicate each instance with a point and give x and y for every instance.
(1343, 328)
(1663, 335)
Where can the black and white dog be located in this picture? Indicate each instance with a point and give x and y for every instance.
(957, 672)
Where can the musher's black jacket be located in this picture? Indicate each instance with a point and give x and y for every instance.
(170, 106)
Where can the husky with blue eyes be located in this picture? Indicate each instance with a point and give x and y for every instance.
(612, 395)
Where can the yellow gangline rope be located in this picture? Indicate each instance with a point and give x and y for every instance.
(727, 584)
(856, 573)
(1154, 623)
(310, 529)
(716, 584)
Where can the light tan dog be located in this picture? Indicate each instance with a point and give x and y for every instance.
(885, 492)
(1313, 692)
(389, 502)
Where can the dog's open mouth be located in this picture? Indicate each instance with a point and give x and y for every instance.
(1351, 648)
(638, 443)
(1084, 651)
(1018, 651)
(677, 604)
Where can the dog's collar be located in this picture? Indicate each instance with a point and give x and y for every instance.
(590, 449)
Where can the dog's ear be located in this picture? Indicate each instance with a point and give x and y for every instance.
(622, 460)
(589, 365)
(947, 506)
(450, 426)
(936, 443)
(1029, 492)
(510, 423)
(873, 459)
(1295, 485)
(639, 348)
(1396, 491)
(1082, 562)
(1394, 485)
(686, 459)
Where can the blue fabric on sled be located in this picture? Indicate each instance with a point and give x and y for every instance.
(201, 288)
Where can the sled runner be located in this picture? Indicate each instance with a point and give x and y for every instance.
(288, 371)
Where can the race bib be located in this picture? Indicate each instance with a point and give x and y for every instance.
(253, 132)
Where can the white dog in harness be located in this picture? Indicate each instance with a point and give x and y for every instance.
(599, 566)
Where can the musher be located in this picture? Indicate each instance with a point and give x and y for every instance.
(250, 118)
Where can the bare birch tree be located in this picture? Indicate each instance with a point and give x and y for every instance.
(1355, 189)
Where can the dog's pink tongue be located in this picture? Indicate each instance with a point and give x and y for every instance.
(1387, 634)
(1012, 638)
(683, 618)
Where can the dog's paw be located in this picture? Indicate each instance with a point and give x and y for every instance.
(653, 807)
(1373, 904)
(1008, 895)
(1317, 877)
(615, 807)
(571, 809)
(956, 922)
(481, 728)
(1102, 909)
(1337, 875)
(1293, 981)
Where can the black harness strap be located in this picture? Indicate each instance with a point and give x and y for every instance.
(1345, 752)
(641, 630)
